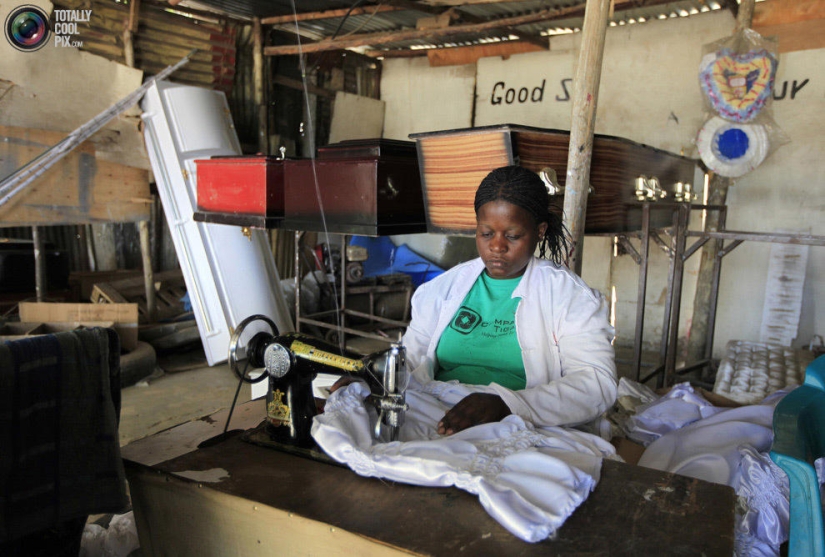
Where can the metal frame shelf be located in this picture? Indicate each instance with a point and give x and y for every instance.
(679, 252)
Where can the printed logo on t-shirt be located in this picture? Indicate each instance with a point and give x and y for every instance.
(465, 320)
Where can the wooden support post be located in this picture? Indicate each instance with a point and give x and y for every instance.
(259, 92)
(129, 31)
(585, 95)
(148, 272)
(39, 264)
(697, 342)
(697, 347)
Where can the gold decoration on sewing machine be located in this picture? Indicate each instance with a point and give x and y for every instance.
(314, 355)
(277, 412)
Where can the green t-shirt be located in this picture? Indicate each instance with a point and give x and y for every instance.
(479, 346)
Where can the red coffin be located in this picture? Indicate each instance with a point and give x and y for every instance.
(252, 185)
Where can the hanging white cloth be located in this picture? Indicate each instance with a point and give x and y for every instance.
(530, 480)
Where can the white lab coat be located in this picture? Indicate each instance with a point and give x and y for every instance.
(562, 329)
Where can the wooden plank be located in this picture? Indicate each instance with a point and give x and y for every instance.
(148, 271)
(374, 39)
(78, 189)
(799, 35)
(134, 11)
(632, 511)
(82, 282)
(104, 293)
(471, 54)
(327, 14)
(778, 12)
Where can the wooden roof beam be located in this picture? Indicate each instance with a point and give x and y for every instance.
(619, 6)
(372, 39)
(328, 14)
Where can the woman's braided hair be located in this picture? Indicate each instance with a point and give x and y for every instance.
(524, 188)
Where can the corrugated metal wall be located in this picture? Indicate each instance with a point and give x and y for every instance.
(165, 35)
(69, 239)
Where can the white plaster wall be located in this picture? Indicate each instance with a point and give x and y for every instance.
(649, 93)
(356, 117)
(650, 87)
(423, 99)
(537, 76)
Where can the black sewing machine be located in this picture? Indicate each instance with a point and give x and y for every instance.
(291, 361)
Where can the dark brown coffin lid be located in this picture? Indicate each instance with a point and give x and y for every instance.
(359, 148)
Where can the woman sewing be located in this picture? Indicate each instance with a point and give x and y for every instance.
(526, 334)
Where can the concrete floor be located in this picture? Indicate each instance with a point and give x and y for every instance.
(183, 388)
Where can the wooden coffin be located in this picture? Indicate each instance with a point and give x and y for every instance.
(368, 187)
(454, 162)
(252, 185)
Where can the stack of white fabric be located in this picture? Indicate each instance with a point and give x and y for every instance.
(685, 434)
(530, 480)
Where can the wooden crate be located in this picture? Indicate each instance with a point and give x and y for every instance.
(169, 289)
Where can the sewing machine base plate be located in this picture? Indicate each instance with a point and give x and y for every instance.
(259, 436)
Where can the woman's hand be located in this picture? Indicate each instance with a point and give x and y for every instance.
(343, 381)
(474, 409)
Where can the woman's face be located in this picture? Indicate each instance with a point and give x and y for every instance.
(506, 238)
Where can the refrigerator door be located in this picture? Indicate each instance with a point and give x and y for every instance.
(229, 275)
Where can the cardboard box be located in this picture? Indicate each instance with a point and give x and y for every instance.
(631, 452)
(124, 317)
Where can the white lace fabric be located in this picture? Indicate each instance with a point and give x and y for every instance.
(685, 434)
(528, 479)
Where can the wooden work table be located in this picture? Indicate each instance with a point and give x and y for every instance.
(270, 502)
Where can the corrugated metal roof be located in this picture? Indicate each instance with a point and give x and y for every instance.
(405, 19)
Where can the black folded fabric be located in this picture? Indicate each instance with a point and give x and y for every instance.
(59, 447)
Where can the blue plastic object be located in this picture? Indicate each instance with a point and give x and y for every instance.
(798, 440)
(385, 258)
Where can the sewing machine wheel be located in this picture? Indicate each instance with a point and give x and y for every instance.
(234, 344)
